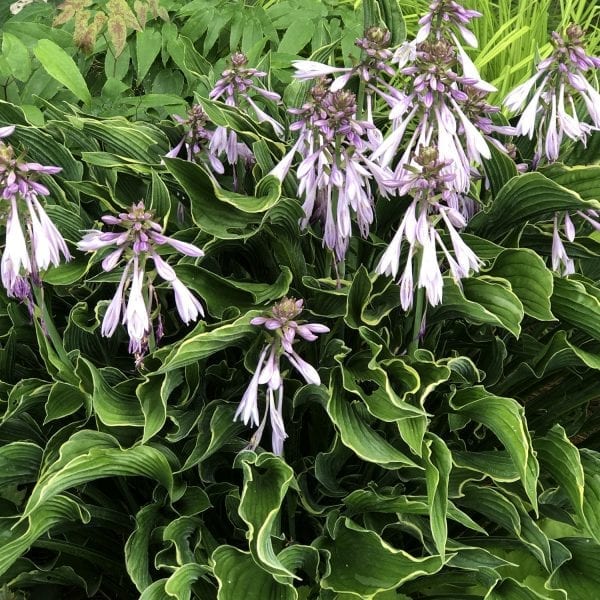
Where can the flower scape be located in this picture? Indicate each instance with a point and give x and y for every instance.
(299, 300)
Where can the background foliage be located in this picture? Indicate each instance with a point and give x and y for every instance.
(468, 468)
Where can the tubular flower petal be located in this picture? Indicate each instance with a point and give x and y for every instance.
(281, 323)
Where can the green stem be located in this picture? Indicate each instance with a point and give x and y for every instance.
(48, 325)
(417, 319)
(360, 99)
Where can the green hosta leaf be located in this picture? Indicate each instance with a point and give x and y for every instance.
(500, 169)
(356, 433)
(137, 546)
(97, 463)
(369, 301)
(221, 293)
(483, 300)
(219, 212)
(529, 279)
(112, 395)
(438, 464)
(579, 577)
(591, 494)
(131, 142)
(584, 180)
(153, 395)
(362, 565)
(65, 399)
(19, 463)
(179, 584)
(505, 418)
(266, 481)
(509, 589)
(526, 197)
(206, 343)
(16, 540)
(216, 428)
(560, 458)
(59, 65)
(240, 577)
(494, 505)
(573, 303)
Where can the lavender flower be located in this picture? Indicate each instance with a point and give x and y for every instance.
(434, 203)
(281, 322)
(139, 241)
(551, 114)
(25, 256)
(372, 68)
(334, 174)
(444, 103)
(236, 85)
(197, 140)
(551, 110)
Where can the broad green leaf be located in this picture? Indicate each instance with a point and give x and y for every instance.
(529, 279)
(266, 481)
(590, 461)
(216, 427)
(97, 463)
(356, 433)
(483, 300)
(579, 577)
(505, 418)
(584, 180)
(560, 458)
(147, 46)
(15, 540)
(65, 399)
(59, 65)
(219, 212)
(525, 197)
(573, 303)
(17, 56)
(205, 343)
(137, 547)
(19, 463)
(240, 577)
(153, 395)
(369, 301)
(438, 464)
(112, 395)
(362, 565)
(179, 584)
(509, 589)
(500, 169)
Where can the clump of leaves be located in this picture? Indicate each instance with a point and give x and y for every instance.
(116, 17)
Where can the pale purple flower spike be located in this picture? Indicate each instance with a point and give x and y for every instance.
(551, 114)
(235, 88)
(434, 203)
(283, 325)
(139, 241)
(33, 242)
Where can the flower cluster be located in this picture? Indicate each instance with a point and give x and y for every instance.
(444, 102)
(434, 201)
(234, 87)
(26, 254)
(283, 325)
(551, 111)
(197, 140)
(139, 241)
(552, 114)
(335, 172)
